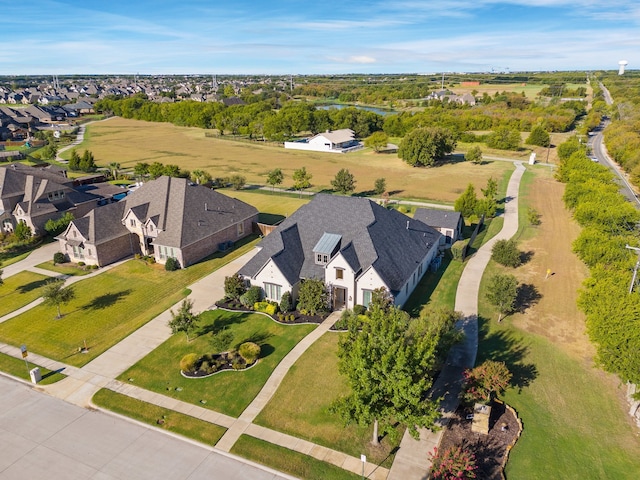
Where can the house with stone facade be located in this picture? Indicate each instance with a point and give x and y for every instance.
(353, 244)
(35, 195)
(165, 218)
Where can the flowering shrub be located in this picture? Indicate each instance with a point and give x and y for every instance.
(453, 463)
(487, 379)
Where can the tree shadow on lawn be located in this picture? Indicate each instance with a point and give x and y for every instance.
(525, 257)
(221, 323)
(105, 301)
(29, 287)
(528, 296)
(501, 346)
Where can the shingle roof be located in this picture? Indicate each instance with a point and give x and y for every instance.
(338, 136)
(389, 241)
(438, 218)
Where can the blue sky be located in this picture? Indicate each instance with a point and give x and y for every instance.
(286, 36)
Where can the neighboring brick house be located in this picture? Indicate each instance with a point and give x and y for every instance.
(448, 223)
(167, 217)
(36, 195)
(353, 244)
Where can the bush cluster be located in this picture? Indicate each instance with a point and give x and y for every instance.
(171, 264)
(266, 306)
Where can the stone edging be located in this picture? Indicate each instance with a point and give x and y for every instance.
(509, 447)
(268, 316)
(220, 371)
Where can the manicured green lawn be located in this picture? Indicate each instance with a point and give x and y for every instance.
(288, 461)
(107, 308)
(301, 406)
(7, 258)
(17, 368)
(64, 269)
(159, 417)
(437, 289)
(229, 392)
(19, 290)
(268, 203)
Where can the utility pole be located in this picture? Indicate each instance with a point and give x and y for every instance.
(635, 269)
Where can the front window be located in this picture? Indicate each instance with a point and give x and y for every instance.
(132, 222)
(240, 229)
(366, 297)
(339, 274)
(273, 291)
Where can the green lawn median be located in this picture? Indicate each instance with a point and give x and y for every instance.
(228, 391)
(19, 290)
(18, 368)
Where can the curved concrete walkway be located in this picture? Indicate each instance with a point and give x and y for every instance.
(412, 460)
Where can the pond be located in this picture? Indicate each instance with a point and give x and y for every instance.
(339, 106)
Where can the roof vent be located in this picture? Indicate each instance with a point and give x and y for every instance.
(407, 224)
(206, 209)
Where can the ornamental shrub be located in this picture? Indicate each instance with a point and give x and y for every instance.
(171, 264)
(251, 296)
(249, 351)
(359, 309)
(286, 302)
(453, 463)
(188, 362)
(234, 286)
(59, 257)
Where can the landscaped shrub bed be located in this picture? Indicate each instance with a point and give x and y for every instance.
(289, 317)
(216, 362)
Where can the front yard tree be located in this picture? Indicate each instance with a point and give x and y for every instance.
(377, 141)
(184, 320)
(301, 179)
(423, 146)
(22, 231)
(380, 186)
(389, 369)
(313, 296)
(234, 287)
(55, 293)
(502, 292)
(474, 155)
(344, 182)
(275, 177)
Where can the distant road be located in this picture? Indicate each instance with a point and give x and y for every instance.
(600, 152)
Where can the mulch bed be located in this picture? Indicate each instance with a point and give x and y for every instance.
(298, 317)
(490, 450)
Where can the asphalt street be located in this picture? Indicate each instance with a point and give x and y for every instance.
(42, 437)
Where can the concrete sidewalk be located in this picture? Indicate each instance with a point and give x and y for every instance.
(412, 460)
(39, 255)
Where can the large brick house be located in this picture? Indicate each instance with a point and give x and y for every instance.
(166, 217)
(353, 244)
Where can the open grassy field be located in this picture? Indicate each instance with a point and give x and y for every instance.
(107, 308)
(288, 461)
(531, 91)
(301, 406)
(130, 141)
(574, 416)
(159, 417)
(229, 392)
(272, 206)
(19, 290)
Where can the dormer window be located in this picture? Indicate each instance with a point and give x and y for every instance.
(326, 247)
(132, 222)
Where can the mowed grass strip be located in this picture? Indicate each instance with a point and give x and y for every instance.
(159, 417)
(18, 368)
(301, 406)
(131, 141)
(272, 206)
(107, 308)
(65, 269)
(19, 290)
(288, 461)
(229, 392)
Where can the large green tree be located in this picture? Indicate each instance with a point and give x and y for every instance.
(502, 292)
(390, 362)
(467, 203)
(474, 155)
(377, 141)
(539, 136)
(313, 296)
(506, 253)
(423, 146)
(344, 182)
(56, 294)
(504, 138)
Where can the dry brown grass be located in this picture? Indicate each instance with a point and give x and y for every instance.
(130, 141)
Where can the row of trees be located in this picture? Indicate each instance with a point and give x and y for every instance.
(608, 224)
(469, 205)
(86, 163)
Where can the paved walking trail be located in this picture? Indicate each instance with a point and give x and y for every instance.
(412, 460)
